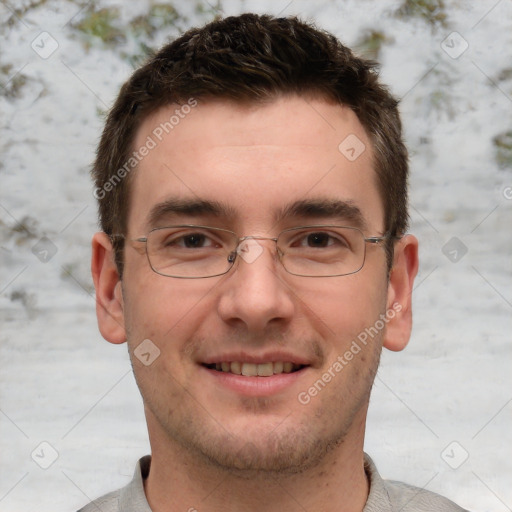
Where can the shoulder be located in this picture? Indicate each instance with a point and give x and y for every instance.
(130, 498)
(408, 498)
(392, 496)
(107, 503)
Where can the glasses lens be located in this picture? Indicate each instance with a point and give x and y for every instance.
(318, 251)
(190, 251)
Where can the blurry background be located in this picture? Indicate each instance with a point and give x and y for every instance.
(71, 418)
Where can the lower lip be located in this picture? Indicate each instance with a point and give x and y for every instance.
(255, 386)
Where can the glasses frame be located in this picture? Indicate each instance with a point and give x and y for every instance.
(232, 257)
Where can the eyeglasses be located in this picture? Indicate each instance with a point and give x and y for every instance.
(193, 252)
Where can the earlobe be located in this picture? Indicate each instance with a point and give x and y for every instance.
(109, 297)
(400, 286)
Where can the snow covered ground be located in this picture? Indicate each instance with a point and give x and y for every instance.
(441, 411)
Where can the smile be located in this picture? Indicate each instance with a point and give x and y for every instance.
(255, 369)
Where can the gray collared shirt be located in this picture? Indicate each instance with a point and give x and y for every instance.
(385, 495)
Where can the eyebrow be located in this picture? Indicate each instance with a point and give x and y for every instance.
(345, 211)
(191, 207)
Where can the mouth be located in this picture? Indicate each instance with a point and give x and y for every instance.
(244, 369)
(267, 374)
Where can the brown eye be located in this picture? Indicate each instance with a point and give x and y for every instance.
(194, 240)
(318, 240)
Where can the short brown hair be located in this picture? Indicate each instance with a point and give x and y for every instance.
(252, 58)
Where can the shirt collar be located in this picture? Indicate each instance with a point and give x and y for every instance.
(378, 497)
(133, 498)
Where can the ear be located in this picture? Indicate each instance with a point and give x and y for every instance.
(401, 281)
(109, 295)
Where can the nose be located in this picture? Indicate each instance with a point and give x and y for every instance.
(254, 293)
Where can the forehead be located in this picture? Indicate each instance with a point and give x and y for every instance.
(253, 160)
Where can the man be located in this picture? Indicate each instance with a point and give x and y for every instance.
(252, 186)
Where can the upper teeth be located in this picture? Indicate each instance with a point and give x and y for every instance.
(256, 370)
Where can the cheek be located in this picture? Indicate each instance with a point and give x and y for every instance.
(344, 307)
(166, 310)
(167, 314)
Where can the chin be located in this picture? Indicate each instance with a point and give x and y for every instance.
(279, 452)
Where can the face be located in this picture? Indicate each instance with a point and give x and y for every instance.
(264, 169)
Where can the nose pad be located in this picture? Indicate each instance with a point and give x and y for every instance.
(249, 250)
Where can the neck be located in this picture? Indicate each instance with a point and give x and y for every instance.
(179, 480)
